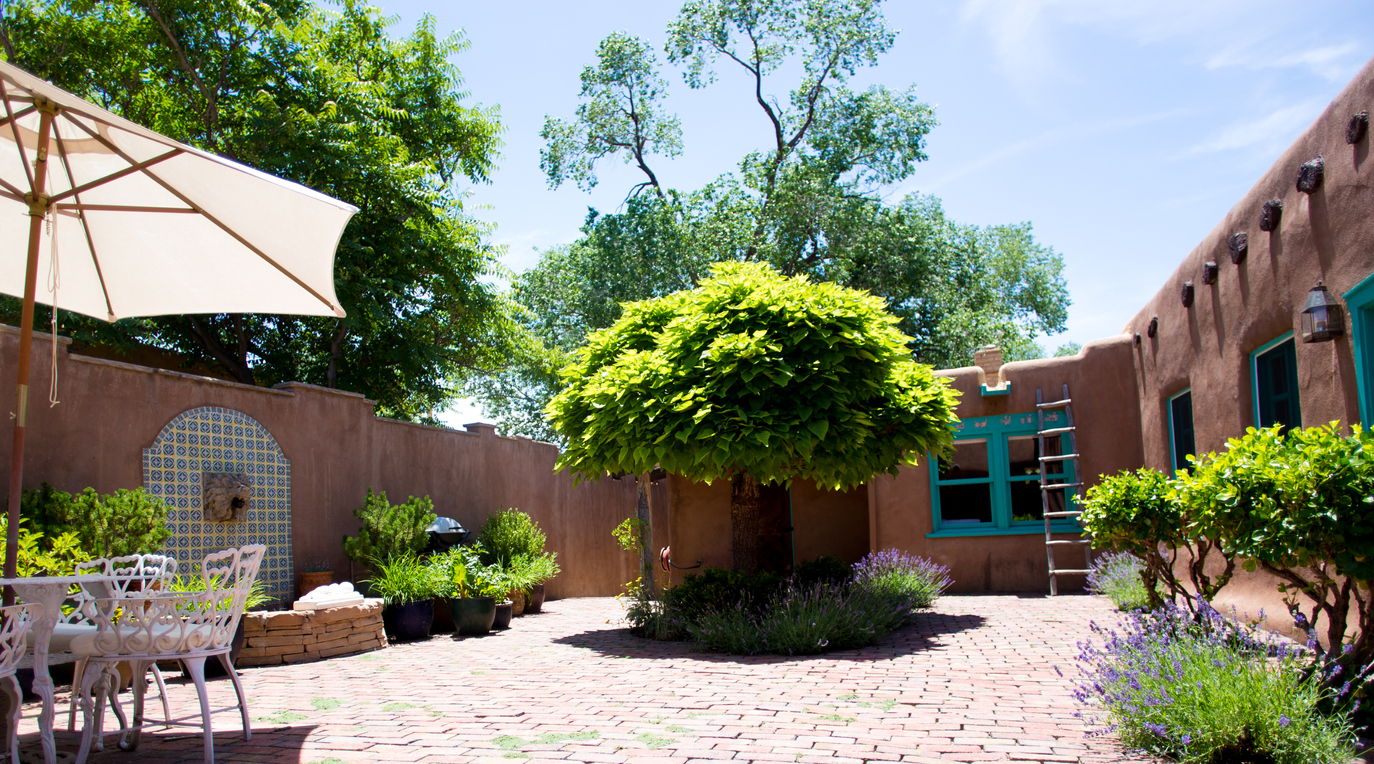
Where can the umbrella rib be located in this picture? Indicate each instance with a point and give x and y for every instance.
(112, 176)
(18, 195)
(18, 114)
(14, 130)
(85, 225)
(174, 192)
(128, 208)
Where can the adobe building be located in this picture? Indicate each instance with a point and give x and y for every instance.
(1220, 348)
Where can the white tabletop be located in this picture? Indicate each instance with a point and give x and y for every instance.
(85, 578)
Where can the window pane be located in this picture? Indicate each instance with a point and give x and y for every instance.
(1181, 423)
(965, 504)
(1023, 456)
(970, 460)
(1276, 382)
(1025, 500)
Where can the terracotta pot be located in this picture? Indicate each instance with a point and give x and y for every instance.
(408, 620)
(535, 601)
(473, 615)
(311, 580)
(517, 601)
(503, 615)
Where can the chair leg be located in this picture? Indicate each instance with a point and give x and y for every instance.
(196, 668)
(115, 680)
(71, 704)
(162, 693)
(129, 741)
(86, 682)
(238, 690)
(16, 701)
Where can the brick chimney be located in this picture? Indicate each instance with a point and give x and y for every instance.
(989, 359)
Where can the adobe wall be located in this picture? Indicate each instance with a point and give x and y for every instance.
(1101, 381)
(1327, 235)
(111, 411)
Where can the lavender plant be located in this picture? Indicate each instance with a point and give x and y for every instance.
(1119, 576)
(902, 575)
(1204, 688)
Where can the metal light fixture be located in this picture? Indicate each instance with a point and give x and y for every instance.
(1322, 320)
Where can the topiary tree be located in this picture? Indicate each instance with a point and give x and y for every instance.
(114, 525)
(756, 377)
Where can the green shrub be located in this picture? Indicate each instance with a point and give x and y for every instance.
(406, 578)
(721, 588)
(826, 569)
(1120, 576)
(389, 531)
(1196, 687)
(42, 556)
(1139, 513)
(459, 573)
(123, 523)
(508, 534)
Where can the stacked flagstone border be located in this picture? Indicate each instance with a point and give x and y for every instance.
(300, 636)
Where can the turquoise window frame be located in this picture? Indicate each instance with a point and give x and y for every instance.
(1360, 302)
(996, 430)
(1254, 376)
(1173, 428)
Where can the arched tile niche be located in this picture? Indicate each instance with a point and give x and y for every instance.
(213, 439)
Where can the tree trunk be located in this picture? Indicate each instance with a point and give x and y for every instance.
(644, 513)
(744, 522)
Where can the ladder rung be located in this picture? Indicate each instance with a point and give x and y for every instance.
(1057, 571)
(1070, 513)
(1054, 404)
(1050, 486)
(1060, 458)
(1067, 543)
(1056, 430)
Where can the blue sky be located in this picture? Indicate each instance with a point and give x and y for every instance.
(1122, 130)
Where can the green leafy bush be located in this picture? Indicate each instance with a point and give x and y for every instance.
(406, 578)
(721, 588)
(118, 524)
(42, 556)
(389, 531)
(508, 534)
(826, 569)
(459, 573)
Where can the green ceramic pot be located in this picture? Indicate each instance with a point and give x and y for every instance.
(474, 615)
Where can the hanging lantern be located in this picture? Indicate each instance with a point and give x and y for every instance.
(1322, 320)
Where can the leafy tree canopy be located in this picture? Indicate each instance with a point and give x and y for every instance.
(329, 99)
(752, 371)
(806, 202)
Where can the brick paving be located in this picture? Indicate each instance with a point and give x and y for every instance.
(972, 681)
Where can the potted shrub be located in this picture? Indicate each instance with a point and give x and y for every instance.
(315, 575)
(472, 590)
(406, 585)
(512, 539)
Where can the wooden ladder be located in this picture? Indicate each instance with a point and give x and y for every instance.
(1068, 442)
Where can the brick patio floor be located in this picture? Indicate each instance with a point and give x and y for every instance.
(972, 681)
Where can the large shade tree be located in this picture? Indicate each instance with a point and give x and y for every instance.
(330, 99)
(755, 377)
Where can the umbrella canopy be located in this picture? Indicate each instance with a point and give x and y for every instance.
(126, 222)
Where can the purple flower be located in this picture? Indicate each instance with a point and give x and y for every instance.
(1284, 721)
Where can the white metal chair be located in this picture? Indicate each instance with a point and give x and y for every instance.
(132, 573)
(146, 627)
(15, 623)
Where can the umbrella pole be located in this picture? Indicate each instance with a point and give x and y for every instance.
(38, 209)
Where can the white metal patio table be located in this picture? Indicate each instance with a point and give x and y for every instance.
(50, 591)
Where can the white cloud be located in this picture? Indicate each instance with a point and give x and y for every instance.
(1333, 62)
(1265, 135)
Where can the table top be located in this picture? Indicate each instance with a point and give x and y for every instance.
(85, 578)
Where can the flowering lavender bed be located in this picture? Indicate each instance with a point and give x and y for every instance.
(883, 593)
(1199, 687)
(1117, 576)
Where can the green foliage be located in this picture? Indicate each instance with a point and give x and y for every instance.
(123, 523)
(40, 555)
(508, 534)
(389, 531)
(630, 534)
(257, 599)
(330, 99)
(1138, 513)
(406, 578)
(619, 116)
(720, 588)
(826, 569)
(1120, 576)
(779, 377)
(1300, 504)
(808, 203)
(459, 573)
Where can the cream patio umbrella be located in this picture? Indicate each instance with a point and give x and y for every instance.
(126, 222)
